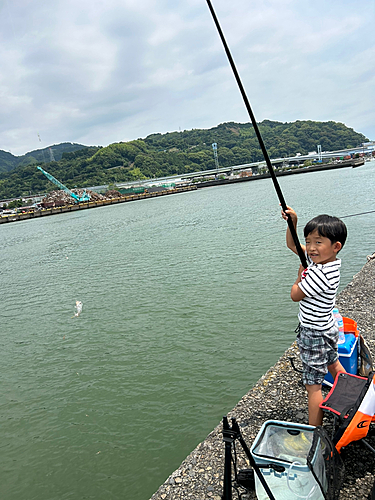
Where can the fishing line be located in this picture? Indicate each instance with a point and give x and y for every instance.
(279, 231)
(355, 215)
(292, 229)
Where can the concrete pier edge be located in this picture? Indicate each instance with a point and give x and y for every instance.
(279, 395)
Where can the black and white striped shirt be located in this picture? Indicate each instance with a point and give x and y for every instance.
(319, 283)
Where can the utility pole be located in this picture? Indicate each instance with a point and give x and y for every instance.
(40, 140)
(52, 158)
(320, 153)
(214, 147)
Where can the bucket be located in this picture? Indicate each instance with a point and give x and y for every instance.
(350, 326)
(280, 450)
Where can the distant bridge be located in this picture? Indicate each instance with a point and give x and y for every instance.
(366, 148)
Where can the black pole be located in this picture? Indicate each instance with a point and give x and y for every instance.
(230, 434)
(236, 429)
(228, 440)
(261, 143)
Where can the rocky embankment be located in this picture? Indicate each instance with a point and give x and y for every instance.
(279, 395)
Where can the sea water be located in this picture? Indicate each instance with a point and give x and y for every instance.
(186, 304)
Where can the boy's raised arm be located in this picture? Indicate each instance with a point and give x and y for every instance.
(296, 294)
(289, 239)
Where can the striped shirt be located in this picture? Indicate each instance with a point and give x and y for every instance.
(319, 282)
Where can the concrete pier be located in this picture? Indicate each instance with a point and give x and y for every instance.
(279, 395)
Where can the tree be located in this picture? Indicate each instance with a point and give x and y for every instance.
(172, 153)
(15, 204)
(136, 174)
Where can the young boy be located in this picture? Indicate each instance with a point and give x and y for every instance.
(315, 290)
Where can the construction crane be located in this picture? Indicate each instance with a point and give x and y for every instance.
(76, 198)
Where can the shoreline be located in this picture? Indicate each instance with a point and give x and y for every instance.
(92, 204)
(353, 163)
(191, 187)
(278, 395)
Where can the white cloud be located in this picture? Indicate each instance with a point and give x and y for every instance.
(97, 73)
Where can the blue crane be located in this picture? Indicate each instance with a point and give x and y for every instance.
(77, 199)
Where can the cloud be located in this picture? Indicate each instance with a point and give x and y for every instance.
(97, 73)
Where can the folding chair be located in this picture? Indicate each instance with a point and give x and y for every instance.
(352, 402)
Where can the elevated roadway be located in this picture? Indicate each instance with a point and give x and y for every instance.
(276, 162)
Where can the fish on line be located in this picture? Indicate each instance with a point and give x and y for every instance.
(78, 308)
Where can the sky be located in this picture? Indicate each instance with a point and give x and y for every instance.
(95, 73)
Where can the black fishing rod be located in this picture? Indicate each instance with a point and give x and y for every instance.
(260, 140)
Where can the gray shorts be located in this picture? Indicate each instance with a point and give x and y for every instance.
(318, 350)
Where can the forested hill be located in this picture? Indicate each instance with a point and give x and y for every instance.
(9, 162)
(173, 153)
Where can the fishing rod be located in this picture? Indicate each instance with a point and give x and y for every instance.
(292, 229)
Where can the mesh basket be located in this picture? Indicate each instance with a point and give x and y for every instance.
(297, 461)
(326, 464)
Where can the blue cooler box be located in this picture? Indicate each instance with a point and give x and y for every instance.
(348, 357)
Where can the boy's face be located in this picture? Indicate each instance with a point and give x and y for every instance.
(321, 249)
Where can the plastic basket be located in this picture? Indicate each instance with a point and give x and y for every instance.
(280, 450)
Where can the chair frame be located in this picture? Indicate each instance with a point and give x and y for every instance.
(347, 411)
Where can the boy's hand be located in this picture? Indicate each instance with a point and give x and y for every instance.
(289, 239)
(296, 293)
(300, 271)
(290, 212)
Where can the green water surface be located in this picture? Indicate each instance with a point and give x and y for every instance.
(185, 305)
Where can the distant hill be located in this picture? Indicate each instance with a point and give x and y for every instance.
(8, 161)
(173, 153)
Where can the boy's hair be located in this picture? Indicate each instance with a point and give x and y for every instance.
(328, 227)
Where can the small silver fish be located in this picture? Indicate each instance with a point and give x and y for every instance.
(78, 308)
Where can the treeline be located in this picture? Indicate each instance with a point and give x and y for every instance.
(9, 162)
(177, 153)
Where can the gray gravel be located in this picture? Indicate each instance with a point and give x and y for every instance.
(279, 395)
